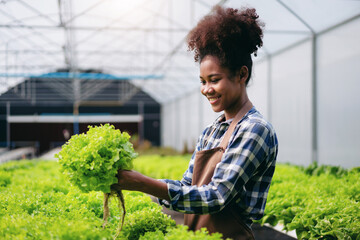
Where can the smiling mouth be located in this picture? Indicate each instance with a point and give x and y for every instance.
(213, 100)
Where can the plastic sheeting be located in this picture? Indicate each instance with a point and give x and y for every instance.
(140, 37)
(281, 89)
(338, 96)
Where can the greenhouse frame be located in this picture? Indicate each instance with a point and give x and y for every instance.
(305, 79)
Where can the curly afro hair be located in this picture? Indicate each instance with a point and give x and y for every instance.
(228, 34)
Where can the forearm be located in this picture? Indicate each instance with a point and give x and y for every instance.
(134, 181)
(153, 187)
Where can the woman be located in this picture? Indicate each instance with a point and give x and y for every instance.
(228, 178)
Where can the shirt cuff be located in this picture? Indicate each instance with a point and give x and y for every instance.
(173, 191)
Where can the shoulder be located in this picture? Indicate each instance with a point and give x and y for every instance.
(256, 120)
(254, 125)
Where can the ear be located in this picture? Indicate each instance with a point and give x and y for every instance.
(243, 74)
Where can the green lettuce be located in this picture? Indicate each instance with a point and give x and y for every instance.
(91, 160)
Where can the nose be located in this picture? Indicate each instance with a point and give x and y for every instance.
(206, 89)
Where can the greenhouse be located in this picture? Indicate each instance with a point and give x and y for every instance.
(71, 69)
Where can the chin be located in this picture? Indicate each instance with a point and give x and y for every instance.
(215, 109)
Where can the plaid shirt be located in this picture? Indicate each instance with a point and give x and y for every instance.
(243, 175)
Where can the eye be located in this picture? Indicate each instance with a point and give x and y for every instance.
(215, 80)
(202, 82)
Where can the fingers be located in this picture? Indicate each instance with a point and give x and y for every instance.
(122, 172)
(128, 179)
(123, 178)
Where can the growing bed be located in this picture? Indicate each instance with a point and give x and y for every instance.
(37, 202)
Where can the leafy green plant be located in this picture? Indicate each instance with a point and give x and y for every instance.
(91, 161)
(5, 179)
(40, 203)
(37, 202)
(315, 169)
(181, 232)
(160, 167)
(147, 220)
(319, 204)
(319, 201)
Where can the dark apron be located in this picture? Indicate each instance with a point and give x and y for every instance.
(226, 221)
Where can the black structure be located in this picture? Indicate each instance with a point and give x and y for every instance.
(43, 111)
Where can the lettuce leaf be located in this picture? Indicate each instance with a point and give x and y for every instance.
(91, 160)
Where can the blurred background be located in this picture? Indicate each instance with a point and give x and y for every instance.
(69, 64)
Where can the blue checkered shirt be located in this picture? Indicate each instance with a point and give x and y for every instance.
(243, 175)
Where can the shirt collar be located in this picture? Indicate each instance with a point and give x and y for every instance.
(221, 118)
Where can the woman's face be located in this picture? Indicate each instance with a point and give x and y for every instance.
(224, 91)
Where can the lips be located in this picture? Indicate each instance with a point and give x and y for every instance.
(213, 100)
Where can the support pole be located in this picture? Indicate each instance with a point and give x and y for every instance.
(77, 99)
(314, 101)
(269, 89)
(76, 118)
(177, 125)
(141, 123)
(7, 125)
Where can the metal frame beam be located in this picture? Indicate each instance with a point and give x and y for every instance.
(69, 75)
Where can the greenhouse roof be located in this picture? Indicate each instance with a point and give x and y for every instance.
(140, 40)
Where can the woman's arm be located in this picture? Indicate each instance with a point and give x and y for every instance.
(134, 181)
(249, 150)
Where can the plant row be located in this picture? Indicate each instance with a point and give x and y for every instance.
(318, 202)
(37, 202)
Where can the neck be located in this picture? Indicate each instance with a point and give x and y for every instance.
(244, 106)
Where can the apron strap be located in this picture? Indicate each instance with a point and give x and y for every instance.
(225, 141)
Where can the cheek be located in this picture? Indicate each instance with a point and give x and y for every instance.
(202, 90)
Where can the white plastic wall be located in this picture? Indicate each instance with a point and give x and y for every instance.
(258, 88)
(281, 89)
(291, 103)
(339, 96)
(184, 119)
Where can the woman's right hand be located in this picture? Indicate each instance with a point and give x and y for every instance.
(135, 181)
(128, 180)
